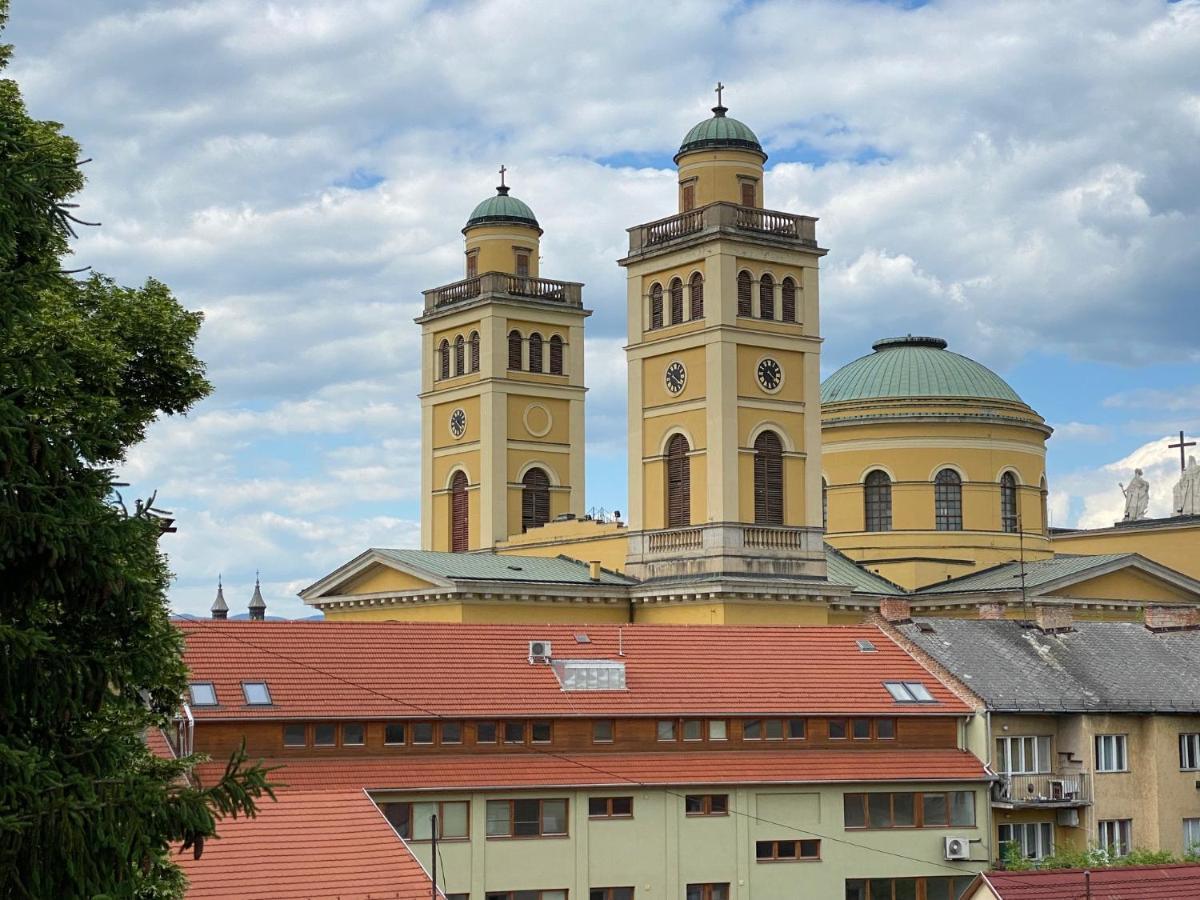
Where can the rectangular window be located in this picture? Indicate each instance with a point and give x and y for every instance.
(718, 729)
(1025, 755)
(666, 729)
(861, 729)
(610, 807)
(952, 887)
(393, 733)
(790, 851)
(472, 263)
(542, 732)
(797, 729)
(526, 818)
(752, 730)
(762, 729)
(1110, 753)
(708, 891)
(526, 895)
(693, 729)
(203, 693)
(485, 732)
(256, 693)
(324, 735)
(689, 197)
(885, 729)
(902, 809)
(706, 804)
(602, 731)
(1032, 840)
(773, 729)
(414, 821)
(837, 729)
(522, 264)
(909, 692)
(1189, 751)
(514, 732)
(748, 193)
(1116, 836)
(422, 732)
(1191, 836)
(295, 735)
(612, 893)
(353, 735)
(452, 732)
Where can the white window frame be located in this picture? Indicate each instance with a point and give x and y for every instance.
(1112, 753)
(1189, 752)
(1191, 835)
(1033, 752)
(1034, 840)
(1117, 834)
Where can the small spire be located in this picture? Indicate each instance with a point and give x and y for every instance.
(220, 609)
(258, 606)
(720, 109)
(502, 188)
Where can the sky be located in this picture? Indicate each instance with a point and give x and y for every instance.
(1020, 178)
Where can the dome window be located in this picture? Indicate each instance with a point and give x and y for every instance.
(656, 306)
(947, 500)
(766, 298)
(745, 290)
(1008, 502)
(444, 360)
(788, 291)
(514, 350)
(877, 501)
(676, 301)
(679, 483)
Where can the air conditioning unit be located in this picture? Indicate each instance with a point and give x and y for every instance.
(539, 651)
(958, 848)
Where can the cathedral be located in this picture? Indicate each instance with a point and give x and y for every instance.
(757, 494)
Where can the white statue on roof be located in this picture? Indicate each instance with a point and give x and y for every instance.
(1137, 497)
(1186, 495)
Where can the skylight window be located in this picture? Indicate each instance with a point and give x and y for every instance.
(256, 693)
(203, 693)
(590, 674)
(908, 692)
(865, 646)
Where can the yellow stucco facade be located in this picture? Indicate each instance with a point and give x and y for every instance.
(1172, 542)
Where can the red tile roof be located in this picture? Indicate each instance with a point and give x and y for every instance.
(331, 843)
(393, 669)
(542, 769)
(1170, 882)
(157, 743)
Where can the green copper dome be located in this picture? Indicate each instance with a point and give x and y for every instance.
(502, 208)
(720, 132)
(910, 366)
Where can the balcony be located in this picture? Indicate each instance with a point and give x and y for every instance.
(724, 217)
(501, 285)
(727, 548)
(1049, 790)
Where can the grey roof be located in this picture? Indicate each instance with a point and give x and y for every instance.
(1007, 576)
(843, 570)
(494, 567)
(257, 601)
(1097, 667)
(219, 604)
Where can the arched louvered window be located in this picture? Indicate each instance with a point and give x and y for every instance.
(1008, 502)
(656, 306)
(514, 349)
(877, 501)
(947, 500)
(788, 292)
(535, 499)
(459, 355)
(1044, 490)
(556, 347)
(745, 298)
(768, 479)
(474, 351)
(459, 530)
(676, 301)
(824, 504)
(444, 360)
(696, 289)
(535, 352)
(766, 298)
(679, 483)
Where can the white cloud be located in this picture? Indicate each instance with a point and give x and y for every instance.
(1096, 493)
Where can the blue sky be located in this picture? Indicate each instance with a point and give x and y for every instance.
(1018, 178)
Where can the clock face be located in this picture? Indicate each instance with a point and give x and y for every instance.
(770, 375)
(458, 422)
(676, 377)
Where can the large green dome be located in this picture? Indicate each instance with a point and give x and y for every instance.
(720, 132)
(502, 208)
(911, 367)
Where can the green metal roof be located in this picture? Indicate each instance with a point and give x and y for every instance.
(843, 570)
(720, 131)
(1007, 576)
(494, 567)
(502, 208)
(914, 367)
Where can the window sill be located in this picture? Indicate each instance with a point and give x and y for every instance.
(527, 837)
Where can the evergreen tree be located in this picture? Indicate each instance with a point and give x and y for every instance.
(88, 658)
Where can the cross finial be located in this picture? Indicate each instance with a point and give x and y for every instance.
(1182, 445)
(720, 87)
(502, 171)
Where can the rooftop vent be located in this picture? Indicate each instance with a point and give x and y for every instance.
(926, 628)
(539, 651)
(865, 646)
(590, 674)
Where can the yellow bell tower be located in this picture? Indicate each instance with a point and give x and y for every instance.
(724, 379)
(501, 388)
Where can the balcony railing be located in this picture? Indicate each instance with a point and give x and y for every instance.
(501, 283)
(801, 229)
(1050, 789)
(676, 540)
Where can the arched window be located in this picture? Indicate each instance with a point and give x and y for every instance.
(676, 301)
(877, 501)
(788, 291)
(766, 298)
(555, 355)
(745, 294)
(656, 306)
(444, 360)
(947, 500)
(459, 351)
(535, 352)
(696, 289)
(1045, 493)
(768, 479)
(514, 349)
(1008, 502)
(535, 499)
(474, 351)
(459, 531)
(679, 483)
(824, 504)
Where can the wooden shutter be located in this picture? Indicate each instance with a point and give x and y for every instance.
(535, 499)
(676, 301)
(789, 300)
(459, 524)
(472, 264)
(514, 350)
(535, 352)
(522, 265)
(689, 197)
(656, 306)
(745, 294)
(444, 360)
(766, 298)
(474, 351)
(697, 298)
(748, 193)
(556, 361)
(459, 347)
(679, 483)
(768, 479)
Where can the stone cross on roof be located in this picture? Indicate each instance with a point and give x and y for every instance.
(1182, 445)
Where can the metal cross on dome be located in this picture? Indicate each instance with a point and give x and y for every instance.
(720, 87)
(502, 171)
(1182, 445)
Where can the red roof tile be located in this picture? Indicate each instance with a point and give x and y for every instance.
(1169, 882)
(157, 743)
(393, 669)
(537, 769)
(331, 843)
